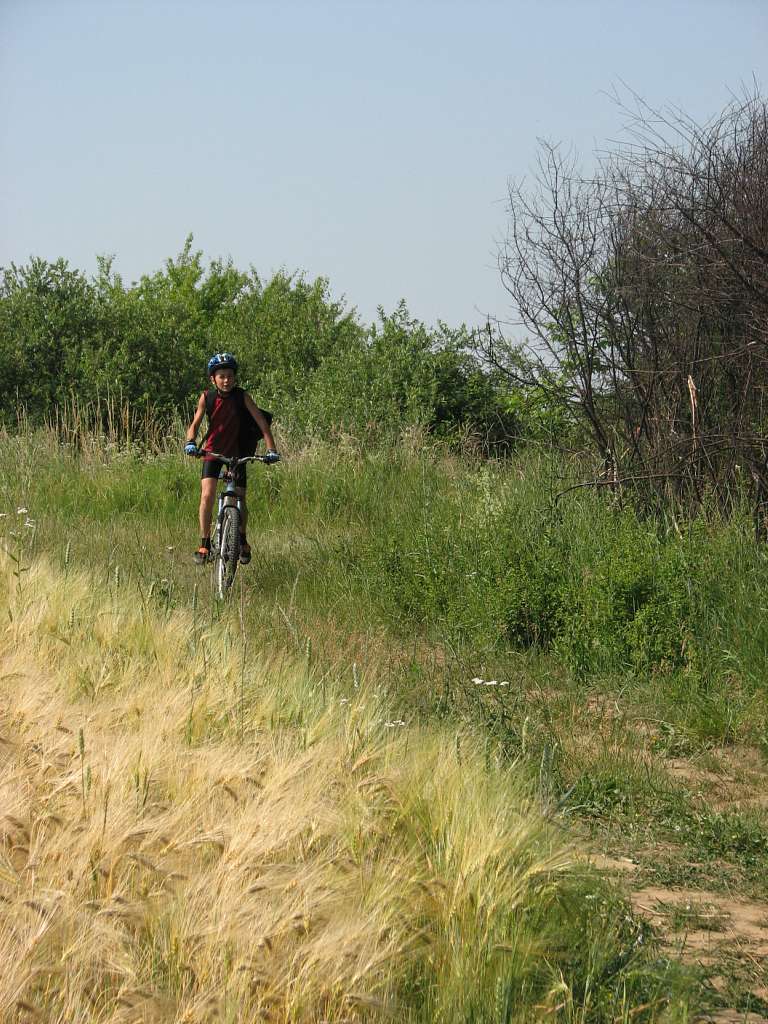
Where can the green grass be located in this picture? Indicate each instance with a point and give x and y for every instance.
(468, 570)
(695, 916)
(625, 644)
(416, 865)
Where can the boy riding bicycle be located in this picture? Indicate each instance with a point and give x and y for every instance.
(225, 415)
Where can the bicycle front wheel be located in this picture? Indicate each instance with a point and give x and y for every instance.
(228, 550)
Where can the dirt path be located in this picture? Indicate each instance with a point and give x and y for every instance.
(706, 923)
(724, 934)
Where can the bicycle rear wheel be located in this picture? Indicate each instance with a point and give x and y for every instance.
(228, 551)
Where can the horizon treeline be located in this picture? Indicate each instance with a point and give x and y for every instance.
(65, 336)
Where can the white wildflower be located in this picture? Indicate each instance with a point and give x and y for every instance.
(21, 511)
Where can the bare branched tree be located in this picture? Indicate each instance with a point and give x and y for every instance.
(645, 291)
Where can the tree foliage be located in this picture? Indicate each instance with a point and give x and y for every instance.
(302, 353)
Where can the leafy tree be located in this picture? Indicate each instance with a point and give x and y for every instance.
(282, 332)
(155, 338)
(303, 353)
(404, 374)
(47, 314)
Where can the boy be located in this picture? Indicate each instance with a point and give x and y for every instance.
(223, 435)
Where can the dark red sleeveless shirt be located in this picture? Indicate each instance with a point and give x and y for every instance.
(223, 427)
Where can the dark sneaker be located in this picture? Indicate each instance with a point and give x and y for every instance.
(245, 552)
(202, 555)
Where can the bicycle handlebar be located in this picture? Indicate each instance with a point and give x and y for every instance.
(233, 459)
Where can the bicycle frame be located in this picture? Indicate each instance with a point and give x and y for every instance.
(229, 496)
(225, 562)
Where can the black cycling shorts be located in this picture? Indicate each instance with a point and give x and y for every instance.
(212, 468)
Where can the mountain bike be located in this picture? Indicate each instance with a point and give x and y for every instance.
(225, 539)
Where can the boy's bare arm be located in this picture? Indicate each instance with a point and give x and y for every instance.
(197, 419)
(261, 421)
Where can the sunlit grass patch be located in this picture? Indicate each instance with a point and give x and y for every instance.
(195, 825)
(695, 915)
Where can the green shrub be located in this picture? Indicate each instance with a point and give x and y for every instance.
(535, 596)
(303, 354)
(605, 595)
(644, 602)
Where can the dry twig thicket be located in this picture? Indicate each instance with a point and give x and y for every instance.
(645, 289)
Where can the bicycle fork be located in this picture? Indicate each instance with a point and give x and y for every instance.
(228, 498)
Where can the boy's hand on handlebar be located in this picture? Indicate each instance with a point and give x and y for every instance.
(271, 456)
(190, 448)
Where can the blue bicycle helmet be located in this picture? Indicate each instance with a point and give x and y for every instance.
(221, 361)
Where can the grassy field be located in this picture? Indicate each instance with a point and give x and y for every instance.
(457, 750)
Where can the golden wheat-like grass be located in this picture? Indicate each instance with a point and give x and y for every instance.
(191, 831)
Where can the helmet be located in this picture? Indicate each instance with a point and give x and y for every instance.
(221, 361)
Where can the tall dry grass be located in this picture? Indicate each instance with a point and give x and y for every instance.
(108, 421)
(194, 831)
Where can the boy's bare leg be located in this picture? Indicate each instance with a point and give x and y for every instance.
(207, 498)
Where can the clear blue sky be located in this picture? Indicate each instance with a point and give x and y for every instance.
(368, 142)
